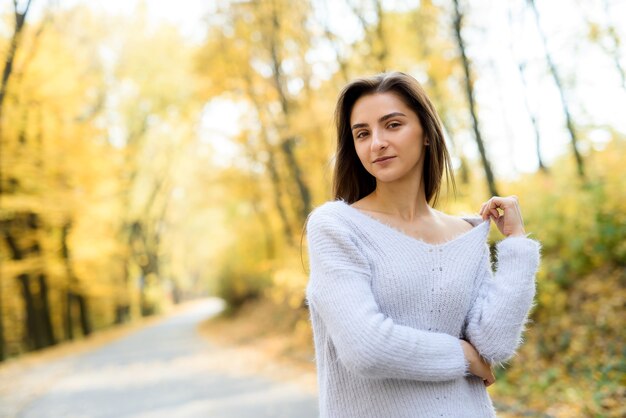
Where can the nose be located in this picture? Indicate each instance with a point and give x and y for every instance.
(378, 140)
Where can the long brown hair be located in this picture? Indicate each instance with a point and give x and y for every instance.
(351, 181)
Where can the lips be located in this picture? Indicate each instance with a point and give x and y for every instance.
(381, 159)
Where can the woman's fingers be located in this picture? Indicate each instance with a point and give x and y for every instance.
(489, 209)
(478, 365)
(491, 206)
(482, 209)
(489, 377)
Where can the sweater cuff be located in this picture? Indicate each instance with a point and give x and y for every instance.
(466, 371)
(518, 254)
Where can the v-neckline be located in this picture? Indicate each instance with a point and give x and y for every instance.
(420, 241)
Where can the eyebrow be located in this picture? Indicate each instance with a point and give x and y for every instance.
(382, 119)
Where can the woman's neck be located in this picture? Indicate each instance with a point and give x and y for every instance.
(405, 200)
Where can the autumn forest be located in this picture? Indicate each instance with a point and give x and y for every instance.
(145, 162)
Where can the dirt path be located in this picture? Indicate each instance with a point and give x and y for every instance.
(165, 369)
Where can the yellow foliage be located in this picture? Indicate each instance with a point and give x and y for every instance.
(102, 135)
(288, 285)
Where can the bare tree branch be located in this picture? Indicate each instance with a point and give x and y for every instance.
(564, 103)
(469, 90)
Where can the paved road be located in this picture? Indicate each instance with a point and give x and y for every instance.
(163, 370)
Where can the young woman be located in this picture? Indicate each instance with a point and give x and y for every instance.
(408, 316)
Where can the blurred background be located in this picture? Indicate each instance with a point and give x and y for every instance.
(154, 152)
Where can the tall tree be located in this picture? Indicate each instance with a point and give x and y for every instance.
(288, 138)
(270, 160)
(14, 44)
(259, 60)
(375, 37)
(521, 69)
(23, 239)
(580, 165)
(335, 42)
(73, 298)
(426, 21)
(231, 58)
(151, 96)
(469, 91)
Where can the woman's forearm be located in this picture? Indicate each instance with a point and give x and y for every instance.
(497, 318)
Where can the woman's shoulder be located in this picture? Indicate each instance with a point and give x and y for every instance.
(333, 209)
(333, 213)
(461, 223)
(453, 223)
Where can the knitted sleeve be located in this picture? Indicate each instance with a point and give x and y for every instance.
(496, 320)
(367, 341)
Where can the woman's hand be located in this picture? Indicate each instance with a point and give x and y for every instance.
(510, 222)
(478, 366)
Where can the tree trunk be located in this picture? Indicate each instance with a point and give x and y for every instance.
(147, 259)
(122, 314)
(270, 164)
(68, 317)
(533, 120)
(437, 92)
(20, 236)
(615, 53)
(383, 51)
(20, 19)
(65, 255)
(14, 43)
(40, 299)
(45, 311)
(378, 46)
(469, 90)
(288, 146)
(77, 301)
(85, 324)
(122, 309)
(557, 80)
(39, 332)
(288, 141)
(34, 334)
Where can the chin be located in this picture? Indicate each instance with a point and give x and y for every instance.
(393, 174)
(388, 178)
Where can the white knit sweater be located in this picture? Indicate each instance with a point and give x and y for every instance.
(388, 311)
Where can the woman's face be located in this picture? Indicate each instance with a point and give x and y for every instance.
(388, 137)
